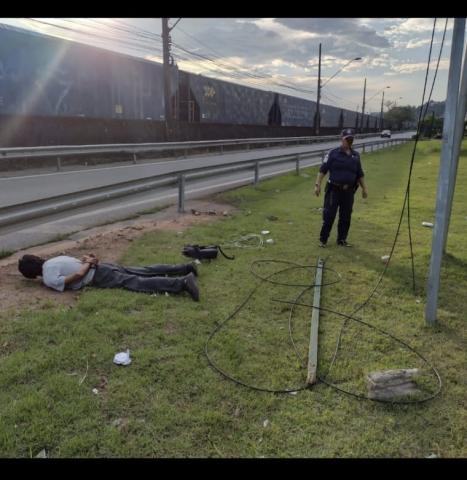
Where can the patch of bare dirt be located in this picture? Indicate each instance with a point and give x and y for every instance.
(108, 243)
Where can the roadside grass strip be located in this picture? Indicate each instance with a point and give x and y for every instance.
(60, 391)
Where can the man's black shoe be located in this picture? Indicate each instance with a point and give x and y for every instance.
(343, 243)
(322, 244)
(191, 287)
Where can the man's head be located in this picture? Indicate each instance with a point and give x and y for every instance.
(30, 265)
(347, 136)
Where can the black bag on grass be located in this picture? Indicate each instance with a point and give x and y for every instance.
(201, 252)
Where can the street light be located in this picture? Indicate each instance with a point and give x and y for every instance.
(381, 115)
(338, 71)
(318, 98)
(379, 91)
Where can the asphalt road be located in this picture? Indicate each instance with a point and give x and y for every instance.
(26, 188)
(14, 190)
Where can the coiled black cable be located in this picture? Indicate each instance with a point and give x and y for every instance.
(294, 304)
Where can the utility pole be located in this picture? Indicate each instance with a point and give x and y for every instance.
(381, 126)
(318, 98)
(363, 106)
(166, 67)
(446, 168)
(458, 134)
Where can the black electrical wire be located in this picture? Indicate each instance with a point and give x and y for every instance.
(351, 317)
(222, 324)
(294, 304)
(402, 210)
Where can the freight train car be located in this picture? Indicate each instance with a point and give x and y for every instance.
(48, 76)
(225, 102)
(41, 75)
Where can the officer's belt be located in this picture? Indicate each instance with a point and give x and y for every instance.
(340, 186)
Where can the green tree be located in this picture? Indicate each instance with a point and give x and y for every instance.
(431, 125)
(395, 117)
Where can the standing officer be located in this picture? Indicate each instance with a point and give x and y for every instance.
(345, 174)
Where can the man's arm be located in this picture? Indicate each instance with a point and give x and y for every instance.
(79, 274)
(319, 179)
(361, 181)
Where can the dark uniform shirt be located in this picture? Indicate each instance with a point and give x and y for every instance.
(343, 169)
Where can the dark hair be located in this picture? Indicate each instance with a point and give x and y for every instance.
(30, 265)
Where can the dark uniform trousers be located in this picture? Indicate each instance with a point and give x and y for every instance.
(337, 198)
(148, 279)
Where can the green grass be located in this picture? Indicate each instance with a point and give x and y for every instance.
(170, 403)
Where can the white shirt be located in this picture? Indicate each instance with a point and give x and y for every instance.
(55, 270)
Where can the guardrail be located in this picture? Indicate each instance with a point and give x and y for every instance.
(37, 208)
(133, 149)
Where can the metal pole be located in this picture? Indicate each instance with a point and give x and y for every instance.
(444, 184)
(166, 67)
(458, 134)
(318, 98)
(297, 164)
(363, 106)
(381, 115)
(256, 180)
(313, 347)
(181, 193)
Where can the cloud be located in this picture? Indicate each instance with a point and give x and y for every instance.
(413, 26)
(407, 68)
(417, 43)
(349, 29)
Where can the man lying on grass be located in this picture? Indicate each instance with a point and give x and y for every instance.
(68, 273)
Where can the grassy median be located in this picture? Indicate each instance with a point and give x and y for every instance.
(170, 403)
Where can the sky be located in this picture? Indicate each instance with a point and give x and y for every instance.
(281, 54)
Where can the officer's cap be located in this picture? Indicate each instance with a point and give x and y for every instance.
(348, 133)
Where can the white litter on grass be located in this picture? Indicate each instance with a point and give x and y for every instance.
(385, 258)
(427, 224)
(265, 423)
(42, 454)
(265, 232)
(122, 358)
(95, 391)
(197, 262)
(270, 241)
(433, 455)
(167, 294)
(293, 393)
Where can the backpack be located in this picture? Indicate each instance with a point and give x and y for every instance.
(201, 252)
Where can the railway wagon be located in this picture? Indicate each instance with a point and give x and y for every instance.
(46, 76)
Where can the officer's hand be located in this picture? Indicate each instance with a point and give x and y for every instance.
(317, 190)
(364, 193)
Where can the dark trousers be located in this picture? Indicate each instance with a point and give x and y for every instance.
(148, 279)
(336, 198)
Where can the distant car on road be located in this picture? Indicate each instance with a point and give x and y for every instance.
(386, 133)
